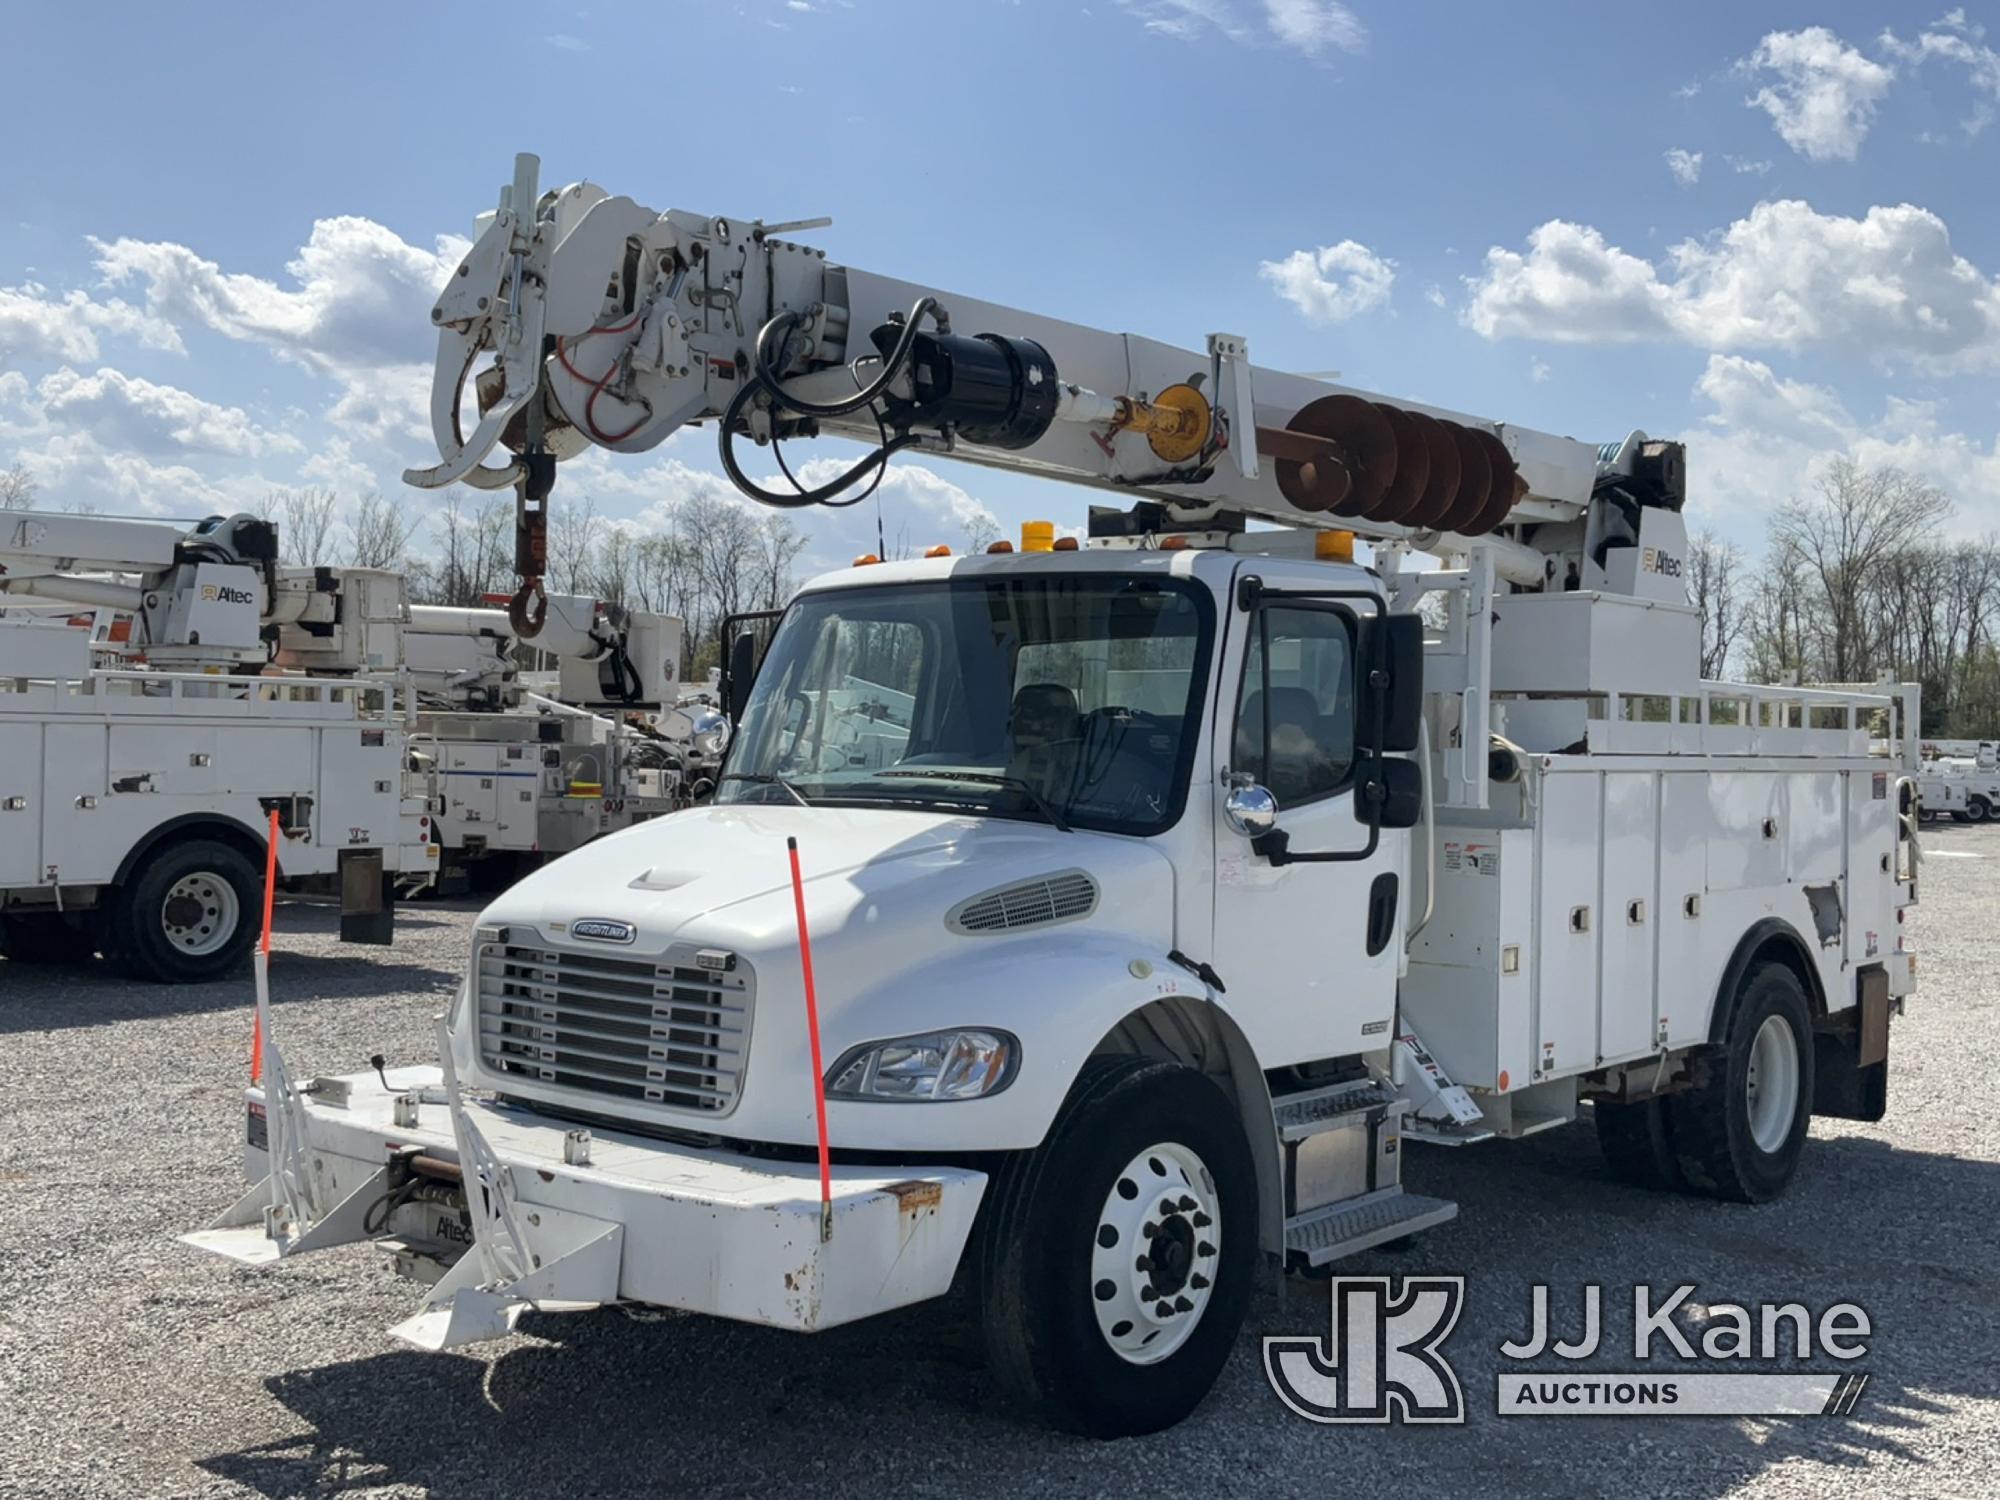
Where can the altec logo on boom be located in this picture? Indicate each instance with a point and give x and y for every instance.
(1382, 1360)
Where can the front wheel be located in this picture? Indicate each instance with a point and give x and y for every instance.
(1739, 1134)
(1117, 1257)
(187, 914)
(1978, 810)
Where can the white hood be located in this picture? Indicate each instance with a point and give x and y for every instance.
(878, 885)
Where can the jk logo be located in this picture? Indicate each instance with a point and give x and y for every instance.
(1381, 1362)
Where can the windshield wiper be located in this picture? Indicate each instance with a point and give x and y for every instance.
(769, 778)
(1027, 789)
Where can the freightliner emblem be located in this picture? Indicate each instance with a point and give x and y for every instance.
(602, 930)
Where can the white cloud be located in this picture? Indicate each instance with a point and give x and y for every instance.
(145, 418)
(1765, 438)
(564, 42)
(1309, 27)
(362, 296)
(1334, 282)
(1887, 285)
(1685, 165)
(1743, 165)
(36, 324)
(1954, 40)
(1434, 294)
(1570, 287)
(72, 466)
(1823, 93)
(1689, 89)
(1314, 27)
(357, 311)
(1539, 372)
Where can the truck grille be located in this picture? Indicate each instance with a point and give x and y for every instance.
(659, 1030)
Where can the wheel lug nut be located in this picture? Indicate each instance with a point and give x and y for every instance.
(1151, 1230)
(1166, 1208)
(1181, 1304)
(1186, 1203)
(1202, 1221)
(1198, 1281)
(1147, 1294)
(1165, 1310)
(1143, 1263)
(1205, 1248)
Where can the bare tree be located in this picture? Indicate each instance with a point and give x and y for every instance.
(779, 545)
(17, 488)
(305, 524)
(574, 532)
(1712, 590)
(379, 533)
(615, 565)
(1859, 517)
(981, 528)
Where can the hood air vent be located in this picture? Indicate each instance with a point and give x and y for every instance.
(1065, 897)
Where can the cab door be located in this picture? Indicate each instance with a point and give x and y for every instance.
(1310, 949)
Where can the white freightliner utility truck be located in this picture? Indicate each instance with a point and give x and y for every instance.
(1159, 889)
(139, 765)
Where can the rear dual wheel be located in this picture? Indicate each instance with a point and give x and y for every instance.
(1739, 1132)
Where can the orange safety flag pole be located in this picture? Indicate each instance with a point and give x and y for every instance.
(812, 1031)
(263, 958)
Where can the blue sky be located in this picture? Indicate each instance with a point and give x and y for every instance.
(1771, 230)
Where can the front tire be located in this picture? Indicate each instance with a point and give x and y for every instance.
(1978, 810)
(1144, 1184)
(1739, 1134)
(188, 914)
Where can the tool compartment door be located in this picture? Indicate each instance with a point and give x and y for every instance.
(81, 842)
(1567, 923)
(1685, 984)
(1871, 866)
(20, 804)
(1629, 902)
(360, 797)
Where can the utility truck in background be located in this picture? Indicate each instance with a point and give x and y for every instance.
(142, 753)
(522, 775)
(1959, 779)
(1161, 885)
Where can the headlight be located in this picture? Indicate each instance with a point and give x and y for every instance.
(938, 1066)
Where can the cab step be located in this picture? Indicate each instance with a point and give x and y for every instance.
(1340, 1107)
(1327, 1234)
(1445, 1132)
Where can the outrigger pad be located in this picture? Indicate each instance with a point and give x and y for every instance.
(244, 1232)
(579, 1260)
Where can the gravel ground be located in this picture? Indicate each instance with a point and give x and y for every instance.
(130, 1365)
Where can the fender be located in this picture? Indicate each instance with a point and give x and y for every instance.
(1060, 999)
(1767, 933)
(219, 825)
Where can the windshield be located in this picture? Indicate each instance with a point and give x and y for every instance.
(1071, 700)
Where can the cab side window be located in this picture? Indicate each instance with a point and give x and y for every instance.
(1295, 723)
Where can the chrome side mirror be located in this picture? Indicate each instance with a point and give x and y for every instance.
(1251, 810)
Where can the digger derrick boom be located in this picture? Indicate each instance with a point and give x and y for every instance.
(583, 319)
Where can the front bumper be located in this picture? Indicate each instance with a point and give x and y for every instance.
(644, 1221)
